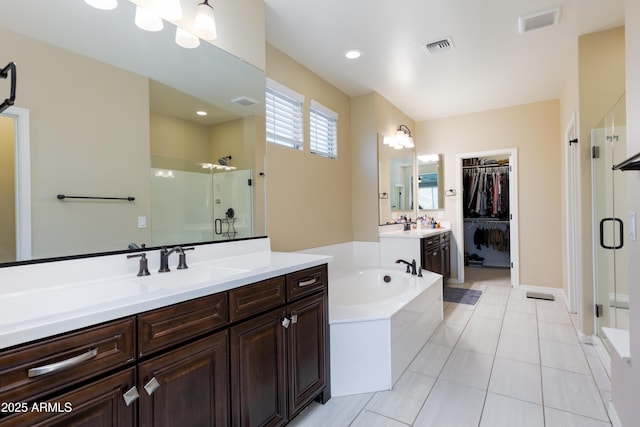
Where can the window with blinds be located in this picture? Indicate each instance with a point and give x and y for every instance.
(284, 115)
(323, 131)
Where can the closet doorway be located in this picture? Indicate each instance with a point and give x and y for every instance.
(487, 232)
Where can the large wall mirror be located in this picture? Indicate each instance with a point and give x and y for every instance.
(112, 113)
(401, 176)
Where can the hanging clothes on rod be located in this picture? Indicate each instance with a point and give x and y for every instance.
(486, 191)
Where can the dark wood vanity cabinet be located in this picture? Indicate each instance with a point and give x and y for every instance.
(252, 356)
(279, 359)
(187, 386)
(436, 253)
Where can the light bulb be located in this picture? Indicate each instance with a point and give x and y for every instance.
(103, 4)
(186, 39)
(205, 21)
(171, 10)
(147, 20)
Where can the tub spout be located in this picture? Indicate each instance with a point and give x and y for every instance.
(411, 266)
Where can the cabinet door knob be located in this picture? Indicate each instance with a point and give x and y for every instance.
(286, 322)
(131, 395)
(151, 386)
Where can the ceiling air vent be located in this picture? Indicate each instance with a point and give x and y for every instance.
(245, 101)
(439, 46)
(534, 21)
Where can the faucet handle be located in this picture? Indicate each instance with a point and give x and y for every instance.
(144, 268)
(182, 258)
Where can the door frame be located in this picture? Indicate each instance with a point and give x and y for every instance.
(573, 218)
(22, 160)
(458, 233)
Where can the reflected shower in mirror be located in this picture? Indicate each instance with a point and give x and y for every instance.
(103, 98)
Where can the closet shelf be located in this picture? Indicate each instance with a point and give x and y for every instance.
(631, 164)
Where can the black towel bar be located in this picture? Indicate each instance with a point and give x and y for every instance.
(62, 197)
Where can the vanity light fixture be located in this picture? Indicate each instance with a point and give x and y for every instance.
(205, 21)
(171, 10)
(402, 139)
(147, 19)
(103, 4)
(185, 39)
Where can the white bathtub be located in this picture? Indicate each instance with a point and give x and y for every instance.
(378, 327)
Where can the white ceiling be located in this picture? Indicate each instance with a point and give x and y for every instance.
(491, 66)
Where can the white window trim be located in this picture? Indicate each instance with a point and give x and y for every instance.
(296, 143)
(316, 106)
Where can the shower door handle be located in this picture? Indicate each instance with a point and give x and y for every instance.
(619, 222)
(217, 226)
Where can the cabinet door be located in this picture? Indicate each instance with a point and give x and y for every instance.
(306, 351)
(433, 258)
(258, 371)
(188, 386)
(99, 403)
(446, 261)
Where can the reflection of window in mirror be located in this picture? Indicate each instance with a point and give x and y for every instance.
(430, 193)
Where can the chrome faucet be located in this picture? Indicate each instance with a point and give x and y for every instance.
(411, 266)
(164, 258)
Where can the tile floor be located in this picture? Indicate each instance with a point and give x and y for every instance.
(507, 361)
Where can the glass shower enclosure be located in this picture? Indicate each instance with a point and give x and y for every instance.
(199, 202)
(609, 188)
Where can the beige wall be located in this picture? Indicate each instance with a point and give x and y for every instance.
(175, 138)
(372, 116)
(309, 196)
(7, 189)
(68, 126)
(601, 82)
(534, 130)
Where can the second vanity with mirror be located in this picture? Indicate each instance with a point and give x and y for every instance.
(209, 345)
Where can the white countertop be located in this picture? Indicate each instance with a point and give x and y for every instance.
(414, 233)
(29, 312)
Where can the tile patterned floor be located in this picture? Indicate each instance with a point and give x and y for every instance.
(507, 361)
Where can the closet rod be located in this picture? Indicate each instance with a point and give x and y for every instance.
(490, 221)
(485, 166)
(62, 197)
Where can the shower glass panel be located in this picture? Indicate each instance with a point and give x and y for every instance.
(194, 203)
(608, 140)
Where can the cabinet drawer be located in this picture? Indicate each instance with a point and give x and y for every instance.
(100, 403)
(161, 328)
(34, 370)
(253, 299)
(307, 281)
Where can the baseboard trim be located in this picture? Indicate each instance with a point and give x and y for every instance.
(557, 292)
(603, 353)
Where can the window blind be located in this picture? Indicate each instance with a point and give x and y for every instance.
(323, 130)
(284, 120)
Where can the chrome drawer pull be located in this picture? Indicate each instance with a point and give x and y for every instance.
(285, 323)
(131, 395)
(151, 386)
(294, 319)
(63, 364)
(311, 281)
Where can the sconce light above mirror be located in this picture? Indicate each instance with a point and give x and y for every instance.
(402, 139)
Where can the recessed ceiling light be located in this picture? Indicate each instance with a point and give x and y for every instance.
(201, 113)
(353, 53)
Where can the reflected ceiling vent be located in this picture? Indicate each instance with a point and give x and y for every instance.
(245, 101)
(536, 20)
(439, 46)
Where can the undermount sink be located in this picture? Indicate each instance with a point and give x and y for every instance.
(191, 276)
(20, 306)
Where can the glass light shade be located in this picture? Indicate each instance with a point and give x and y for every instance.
(103, 4)
(388, 140)
(147, 20)
(171, 10)
(186, 39)
(205, 22)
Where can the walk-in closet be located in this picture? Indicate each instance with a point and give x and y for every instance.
(486, 212)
